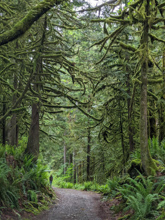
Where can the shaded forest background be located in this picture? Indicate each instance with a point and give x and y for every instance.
(83, 88)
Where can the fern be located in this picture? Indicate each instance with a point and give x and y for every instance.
(140, 196)
(161, 204)
(32, 195)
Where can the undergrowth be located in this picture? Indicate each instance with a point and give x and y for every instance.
(138, 198)
(23, 183)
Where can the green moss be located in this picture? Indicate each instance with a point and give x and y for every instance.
(135, 166)
(22, 26)
(151, 168)
(127, 47)
(136, 162)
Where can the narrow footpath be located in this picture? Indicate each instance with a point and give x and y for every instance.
(76, 205)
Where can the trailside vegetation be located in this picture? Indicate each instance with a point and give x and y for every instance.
(82, 93)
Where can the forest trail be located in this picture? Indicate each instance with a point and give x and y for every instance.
(76, 205)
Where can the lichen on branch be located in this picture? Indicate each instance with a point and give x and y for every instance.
(22, 26)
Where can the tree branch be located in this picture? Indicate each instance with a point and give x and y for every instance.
(22, 26)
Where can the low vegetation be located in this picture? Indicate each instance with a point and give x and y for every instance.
(139, 197)
(82, 90)
(23, 183)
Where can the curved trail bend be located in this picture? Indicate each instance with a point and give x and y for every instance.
(76, 205)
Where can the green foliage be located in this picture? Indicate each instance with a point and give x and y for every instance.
(26, 180)
(157, 150)
(141, 194)
(142, 206)
(113, 185)
(87, 185)
(103, 189)
(9, 192)
(67, 185)
(79, 186)
(32, 195)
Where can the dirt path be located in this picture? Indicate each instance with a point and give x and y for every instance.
(76, 205)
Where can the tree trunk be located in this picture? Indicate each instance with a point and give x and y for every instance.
(122, 136)
(74, 168)
(4, 122)
(70, 159)
(162, 106)
(12, 125)
(129, 105)
(147, 162)
(33, 140)
(65, 150)
(152, 125)
(88, 154)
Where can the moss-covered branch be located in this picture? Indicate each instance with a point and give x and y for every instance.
(22, 26)
(108, 3)
(153, 37)
(153, 81)
(19, 99)
(127, 46)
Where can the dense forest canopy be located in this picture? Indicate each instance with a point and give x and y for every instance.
(77, 80)
(82, 93)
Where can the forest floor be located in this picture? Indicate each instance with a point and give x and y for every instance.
(76, 205)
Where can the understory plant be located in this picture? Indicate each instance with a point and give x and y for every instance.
(9, 191)
(22, 181)
(142, 195)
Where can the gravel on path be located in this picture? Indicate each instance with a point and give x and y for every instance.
(76, 205)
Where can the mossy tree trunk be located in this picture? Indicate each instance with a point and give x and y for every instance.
(74, 167)
(162, 106)
(33, 139)
(152, 131)
(4, 121)
(65, 151)
(88, 148)
(12, 125)
(146, 159)
(130, 106)
(88, 153)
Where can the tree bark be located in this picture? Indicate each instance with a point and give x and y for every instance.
(88, 154)
(70, 159)
(74, 168)
(162, 106)
(4, 122)
(129, 105)
(65, 150)
(33, 140)
(146, 159)
(12, 125)
(122, 139)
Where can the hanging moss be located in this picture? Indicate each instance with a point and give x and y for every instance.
(22, 26)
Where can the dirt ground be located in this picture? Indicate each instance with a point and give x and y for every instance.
(76, 205)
